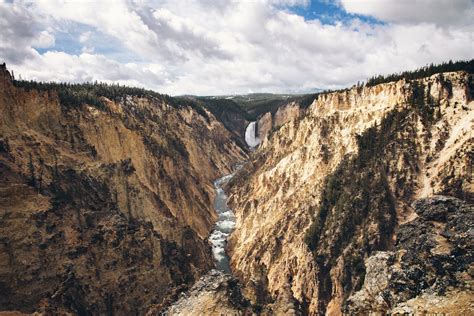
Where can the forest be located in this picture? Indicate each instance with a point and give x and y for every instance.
(76, 94)
(429, 70)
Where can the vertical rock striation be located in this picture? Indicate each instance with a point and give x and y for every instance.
(104, 210)
(331, 187)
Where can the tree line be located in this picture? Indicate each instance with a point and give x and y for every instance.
(76, 94)
(429, 70)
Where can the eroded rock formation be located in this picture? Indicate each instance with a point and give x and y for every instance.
(360, 203)
(269, 122)
(430, 268)
(104, 210)
(216, 293)
(330, 189)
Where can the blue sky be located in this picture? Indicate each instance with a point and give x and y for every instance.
(329, 12)
(222, 47)
(68, 40)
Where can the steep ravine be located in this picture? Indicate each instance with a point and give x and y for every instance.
(360, 203)
(217, 292)
(330, 188)
(104, 209)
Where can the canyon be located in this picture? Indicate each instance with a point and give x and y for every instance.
(354, 202)
(328, 190)
(104, 210)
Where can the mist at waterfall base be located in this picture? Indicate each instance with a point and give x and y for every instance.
(251, 135)
(224, 226)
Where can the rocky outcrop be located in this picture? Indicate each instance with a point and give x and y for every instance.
(104, 209)
(264, 125)
(330, 189)
(269, 122)
(216, 293)
(432, 261)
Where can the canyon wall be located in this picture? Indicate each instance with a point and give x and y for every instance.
(332, 187)
(269, 122)
(359, 203)
(104, 210)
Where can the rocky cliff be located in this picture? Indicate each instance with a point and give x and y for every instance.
(359, 203)
(216, 293)
(333, 187)
(429, 268)
(269, 122)
(104, 209)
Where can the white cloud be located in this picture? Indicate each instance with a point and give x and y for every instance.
(85, 37)
(87, 50)
(17, 33)
(442, 12)
(220, 47)
(43, 40)
(289, 2)
(88, 67)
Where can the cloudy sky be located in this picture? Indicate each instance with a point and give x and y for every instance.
(210, 47)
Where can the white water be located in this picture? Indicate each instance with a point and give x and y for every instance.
(251, 135)
(224, 226)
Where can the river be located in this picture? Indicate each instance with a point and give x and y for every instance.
(226, 219)
(224, 226)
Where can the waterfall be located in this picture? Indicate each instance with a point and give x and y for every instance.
(251, 135)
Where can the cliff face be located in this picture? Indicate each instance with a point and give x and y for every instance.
(104, 210)
(428, 269)
(327, 191)
(234, 118)
(357, 204)
(285, 113)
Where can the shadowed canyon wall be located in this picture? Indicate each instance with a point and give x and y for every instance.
(104, 210)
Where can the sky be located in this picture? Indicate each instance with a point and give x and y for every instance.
(218, 47)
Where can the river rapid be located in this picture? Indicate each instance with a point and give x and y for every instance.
(224, 226)
(226, 219)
